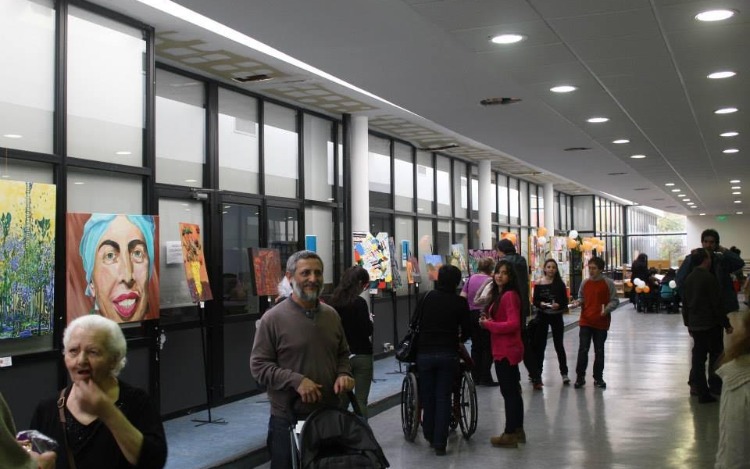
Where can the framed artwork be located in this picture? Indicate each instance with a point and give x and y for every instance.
(195, 263)
(113, 266)
(27, 259)
(476, 254)
(266, 268)
(434, 262)
(457, 258)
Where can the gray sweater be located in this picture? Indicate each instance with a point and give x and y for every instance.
(290, 346)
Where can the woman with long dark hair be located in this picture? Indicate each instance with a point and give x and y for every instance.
(503, 320)
(550, 301)
(357, 323)
(639, 270)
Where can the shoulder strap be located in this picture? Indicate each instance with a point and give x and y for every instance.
(61, 412)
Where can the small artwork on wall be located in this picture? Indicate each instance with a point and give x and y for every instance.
(112, 266)
(195, 263)
(266, 268)
(27, 259)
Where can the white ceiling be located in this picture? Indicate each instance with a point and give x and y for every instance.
(642, 63)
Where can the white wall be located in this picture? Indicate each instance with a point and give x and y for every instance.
(733, 231)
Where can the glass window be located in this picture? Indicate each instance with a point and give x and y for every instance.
(404, 231)
(461, 189)
(283, 228)
(319, 158)
(319, 222)
(444, 237)
(424, 247)
(19, 170)
(502, 198)
(583, 215)
(425, 183)
(102, 192)
(173, 288)
(515, 217)
(281, 150)
(238, 142)
(27, 92)
(493, 202)
(106, 89)
(380, 223)
(241, 231)
(379, 170)
(180, 129)
(404, 177)
(533, 206)
(444, 186)
(524, 203)
(462, 235)
(474, 197)
(540, 208)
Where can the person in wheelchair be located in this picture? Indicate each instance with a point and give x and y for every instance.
(445, 322)
(648, 301)
(668, 292)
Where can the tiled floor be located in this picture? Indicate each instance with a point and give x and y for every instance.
(644, 419)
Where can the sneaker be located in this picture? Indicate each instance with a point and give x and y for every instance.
(599, 383)
(566, 380)
(580, 381)
(520, 435)
(706, 398)
(506, 440)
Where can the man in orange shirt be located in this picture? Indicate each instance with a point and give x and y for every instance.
(597, 297)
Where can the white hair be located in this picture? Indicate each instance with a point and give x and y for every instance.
(114, 341)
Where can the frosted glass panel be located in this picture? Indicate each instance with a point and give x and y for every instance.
(281, 150)
(238, 142)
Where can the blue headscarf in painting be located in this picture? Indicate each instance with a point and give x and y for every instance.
(93, 231)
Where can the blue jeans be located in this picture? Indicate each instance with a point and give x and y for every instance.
(437, 372)
(510, 387)
(585, 335)
(279, 442)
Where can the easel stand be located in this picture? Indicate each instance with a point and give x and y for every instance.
(396, 338)
(206, 371)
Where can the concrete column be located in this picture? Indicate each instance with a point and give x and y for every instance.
(486, 199)
(359, 175)
(549, 209)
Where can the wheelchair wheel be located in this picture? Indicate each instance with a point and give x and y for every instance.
(468, 405)
(409, 406)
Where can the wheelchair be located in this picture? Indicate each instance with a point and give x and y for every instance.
(464, 411)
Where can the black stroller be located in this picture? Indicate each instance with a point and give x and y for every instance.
(336, 439)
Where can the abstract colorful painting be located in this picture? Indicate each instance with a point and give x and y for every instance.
(266, 268)
(374, 254)
(396, 283)
(476, 254)
(457, 258)
(412, 270)
(434, 262)
(112, 266)
(27, 259)
(195, 263)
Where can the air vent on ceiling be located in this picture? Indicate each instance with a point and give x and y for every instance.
(577, 149)
(617, 174)
(641, 189)
(660, 198)
(440, 148)
(253, 78)
(529, 173)
(499, 101)
(670, 206)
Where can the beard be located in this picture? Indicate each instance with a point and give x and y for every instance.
(304, 296)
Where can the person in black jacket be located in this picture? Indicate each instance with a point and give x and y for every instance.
(445, 321)
(550, 301)
(357, 324)
(639, 270)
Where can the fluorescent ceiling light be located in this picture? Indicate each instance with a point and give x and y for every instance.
(620, 141)
(734, 181)
(191, 180)
(722, 74)
(731, 150)
(123, 153)
(185, 14)
(597, 120)
(681, 195)
(669, 184)
(739, 213)
(563, 89)
(507, 38)
(637, 157)
(79, 183)
(726, 110)
(736, 188)
(736, 193)
(729, 134)
(714, 15)
(702, 214)
(675, 190)
(738, 201)
(12, 136)
(685, 200)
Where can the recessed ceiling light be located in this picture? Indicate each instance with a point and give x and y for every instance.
(731, 150)
(191, 180)
(726, 110)
(736, 188)
(597, 120)
(685, 200)
(79, 183)
(620, 141)
(714, 15)
(675, 190)
(734, 181)
(702, 214)
(12, 136)
(563, 89)
(682, 195)
(736, 193)
(669, 184)
(739, 213)
(507, 38)
(729, 134)
(123, 153)
(738, 201)
(637, 157)
(722, 74)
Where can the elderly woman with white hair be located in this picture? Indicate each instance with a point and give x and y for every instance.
(99, 420)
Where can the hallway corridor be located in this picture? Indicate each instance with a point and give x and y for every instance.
(644, 419)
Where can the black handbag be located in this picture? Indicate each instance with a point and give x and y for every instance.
(406, 350)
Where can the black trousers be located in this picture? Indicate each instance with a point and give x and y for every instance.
(481, 351)
(709, 345)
